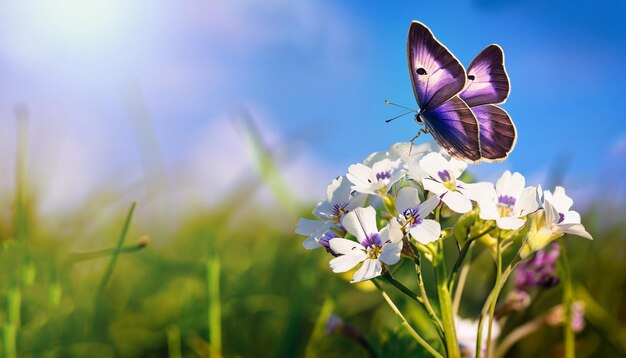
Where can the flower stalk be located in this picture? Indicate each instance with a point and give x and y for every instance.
(445, 304)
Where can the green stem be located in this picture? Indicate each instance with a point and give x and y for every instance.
(495, 299)
(407, 291)
(458, 289)
(445, 304)
(429, 307)
(390, 205)
(568, 301)
(421, 341)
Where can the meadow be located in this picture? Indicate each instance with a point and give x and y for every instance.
(113, 278)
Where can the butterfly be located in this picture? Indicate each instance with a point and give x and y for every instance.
(458, 107)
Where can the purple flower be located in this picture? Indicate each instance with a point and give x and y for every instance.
(540, 271)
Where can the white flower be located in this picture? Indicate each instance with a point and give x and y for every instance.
(509, 202)
(443, 181)
(406, 151)
(467, 331)
(339, 201)
(413, 215)
(376, 180)
(373, 247)
(555, 220)
(568, 221)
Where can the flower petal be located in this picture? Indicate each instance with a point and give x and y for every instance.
(457, 202)
(426, 232)
(527, 202)
(477, 191)
(575, 229)
(488, 209)
(510, 223)
(339, 191)
(510, 184)
(562, 203)
(391, 253)
(345, 262)
(396, 175)
(407, 198)
(309, 227)
(428, 206)
(392, 232)
(457, 167)
(370, 269)
(434, 186)
(361, 176)
(433, 163)
(323, 210)
(356, 201)
(385, 165)
(571, 217)
(345, 247)
(551, 215)
(311, 243)
(360, 222)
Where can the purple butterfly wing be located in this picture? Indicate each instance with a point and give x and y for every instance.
(497, 132)
(436, 74)
(455, 128)
(488, 81)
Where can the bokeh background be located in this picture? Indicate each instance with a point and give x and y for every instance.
(225, 121)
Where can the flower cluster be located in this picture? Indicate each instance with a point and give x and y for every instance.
(390, 201)
(405, 202)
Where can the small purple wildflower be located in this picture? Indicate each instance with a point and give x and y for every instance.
(540, 271)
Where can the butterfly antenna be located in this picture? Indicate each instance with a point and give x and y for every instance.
(398, 116)
(401, 115)
(397, 105)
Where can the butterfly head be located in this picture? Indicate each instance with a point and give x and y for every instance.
(418, 118)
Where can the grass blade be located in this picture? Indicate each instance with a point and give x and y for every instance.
(118, 249)
(215, 306)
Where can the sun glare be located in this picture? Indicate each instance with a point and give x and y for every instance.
(63, 33)
(82, 23)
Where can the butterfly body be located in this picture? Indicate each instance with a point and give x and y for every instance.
(445, 92)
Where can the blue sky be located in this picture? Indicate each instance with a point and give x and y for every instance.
(314, 75)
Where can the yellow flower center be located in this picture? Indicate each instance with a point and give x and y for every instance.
(374, 251)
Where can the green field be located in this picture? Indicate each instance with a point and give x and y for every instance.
(232, 280)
